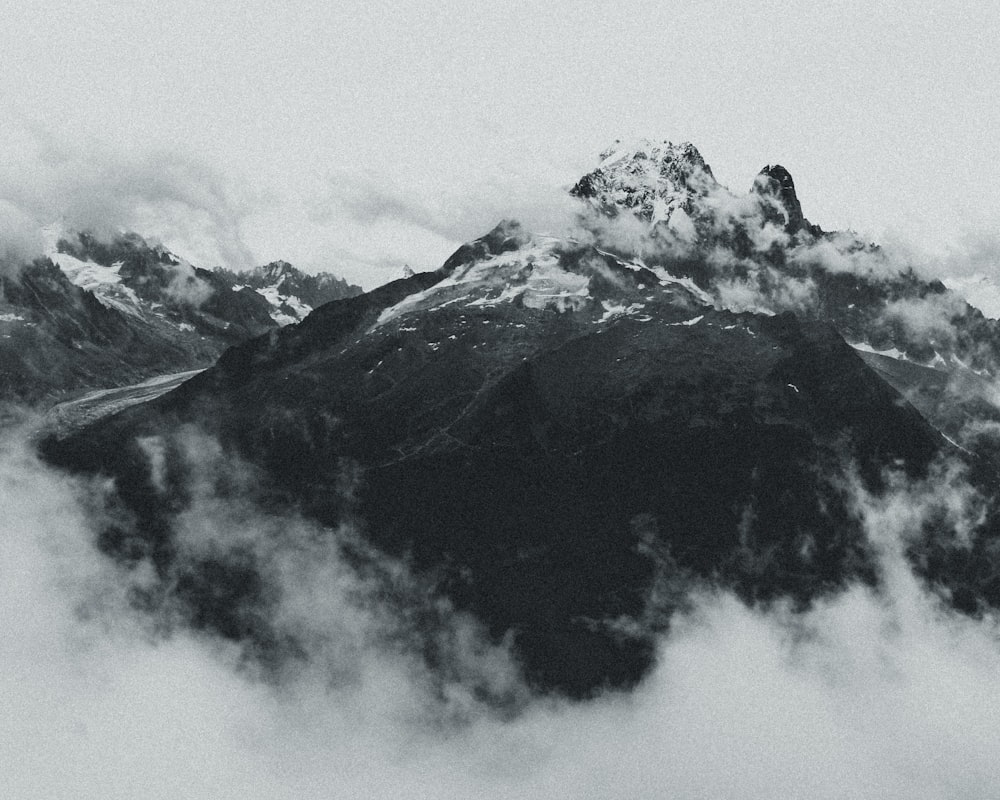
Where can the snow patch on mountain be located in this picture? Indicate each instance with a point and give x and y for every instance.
(286, 309)
(664, 276)
(892, 352)
(688, 322)
(103, 282)
(531, 274)
(614, 310)
(86, 274)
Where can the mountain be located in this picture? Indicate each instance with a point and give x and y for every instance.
(564, 435)
(654, 181)
(291, 294)
(93, 314)
(56, 337)
(758, 252)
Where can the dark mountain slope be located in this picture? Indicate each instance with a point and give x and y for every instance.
(57, 337)
(551, 463)
(563, 436)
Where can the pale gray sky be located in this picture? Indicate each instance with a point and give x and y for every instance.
(358, 136)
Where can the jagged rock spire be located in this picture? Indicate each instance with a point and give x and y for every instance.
(776, 181)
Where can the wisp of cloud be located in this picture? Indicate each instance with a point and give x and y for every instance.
(90, 186)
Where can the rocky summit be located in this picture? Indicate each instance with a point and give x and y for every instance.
(563, 435)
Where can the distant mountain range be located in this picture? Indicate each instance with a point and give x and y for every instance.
(94, 314)
(565, 434)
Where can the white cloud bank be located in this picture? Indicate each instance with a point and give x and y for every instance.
(868, 695)
(86, 184)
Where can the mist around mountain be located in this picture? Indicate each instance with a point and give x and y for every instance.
(690, 497)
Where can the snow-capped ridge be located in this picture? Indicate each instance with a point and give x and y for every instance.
(291, 293)
(655, 180)
(531, 274)
(674, 160)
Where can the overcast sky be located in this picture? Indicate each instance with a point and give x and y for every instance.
(361, 136)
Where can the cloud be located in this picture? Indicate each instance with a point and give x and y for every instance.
(970, 266)
(455, 214)
(871, 693)
(186, 287)
(843, 252)
(974, 253)
(95, 186)
(458, 214)
(99, 700)
(366, 226)
(927, 319)
(334, 617)
(874, 693)
(764, 291)
(20, 237)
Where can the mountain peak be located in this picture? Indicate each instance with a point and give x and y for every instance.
(276, 271)
(678, 159)
(278, 267)
(652, 179)
(776, 181)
